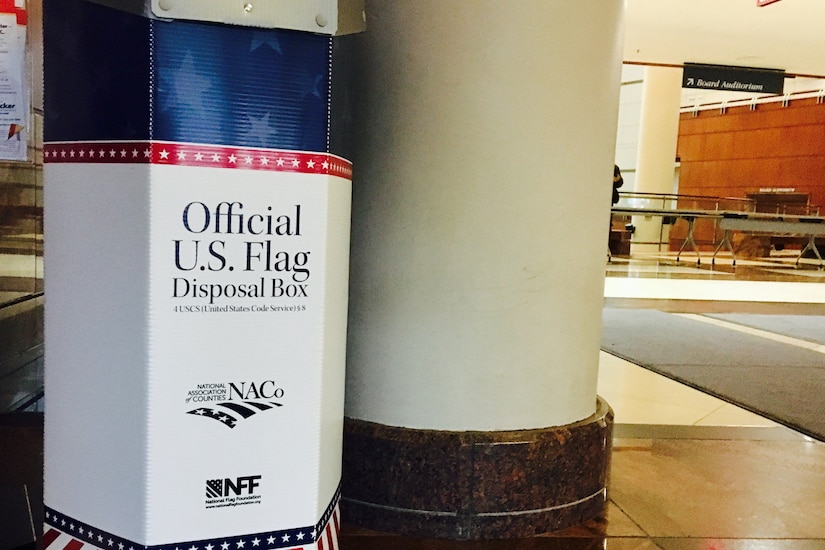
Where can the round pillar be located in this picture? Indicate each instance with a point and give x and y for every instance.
(658, 136)
(481, 197)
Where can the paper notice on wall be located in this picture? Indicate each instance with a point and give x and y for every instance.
(14, 90)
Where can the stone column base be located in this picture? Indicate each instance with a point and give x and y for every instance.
(476, 485)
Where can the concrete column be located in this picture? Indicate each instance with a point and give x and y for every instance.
(481, 205)
(658, 135)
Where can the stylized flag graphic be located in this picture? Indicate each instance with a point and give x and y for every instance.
(233, 412)
(214, 488)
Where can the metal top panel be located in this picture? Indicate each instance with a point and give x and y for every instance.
(330, 17)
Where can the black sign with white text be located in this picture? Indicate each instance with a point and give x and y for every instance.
(733, 79)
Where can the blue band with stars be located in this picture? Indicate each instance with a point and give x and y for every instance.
(267, 540)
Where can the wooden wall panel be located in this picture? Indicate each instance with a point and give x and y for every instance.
(741, 151)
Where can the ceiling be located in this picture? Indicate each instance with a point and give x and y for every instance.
(788, 34)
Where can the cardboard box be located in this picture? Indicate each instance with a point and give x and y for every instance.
(197, 244)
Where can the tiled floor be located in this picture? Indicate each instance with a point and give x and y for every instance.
(689, 471)
(641, 398)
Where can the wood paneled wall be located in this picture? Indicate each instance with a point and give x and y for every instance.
(742, 151)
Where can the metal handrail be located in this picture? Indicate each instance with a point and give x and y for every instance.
(753, 101)
(22, 299)
(671, 201)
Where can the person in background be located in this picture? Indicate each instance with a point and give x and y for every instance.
(617, 182)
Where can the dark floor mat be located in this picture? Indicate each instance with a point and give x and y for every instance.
(779, 381)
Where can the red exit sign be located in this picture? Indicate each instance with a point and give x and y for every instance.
(760, 3)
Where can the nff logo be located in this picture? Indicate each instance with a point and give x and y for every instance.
(217, 488)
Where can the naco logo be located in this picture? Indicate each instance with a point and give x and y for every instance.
(231, 402)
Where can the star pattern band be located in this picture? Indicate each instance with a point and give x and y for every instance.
(63, 532)
(202, 155)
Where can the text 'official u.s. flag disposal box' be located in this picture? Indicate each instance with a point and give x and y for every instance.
(197, 243)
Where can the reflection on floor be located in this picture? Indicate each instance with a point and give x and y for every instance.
(689, 471)
(779, 266)
(21, 312)
(21, 353)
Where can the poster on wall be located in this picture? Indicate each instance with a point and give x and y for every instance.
(14, 89)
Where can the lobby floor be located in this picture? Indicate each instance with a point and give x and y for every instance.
(689, 471)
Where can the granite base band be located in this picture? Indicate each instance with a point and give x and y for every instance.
(476, 485)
